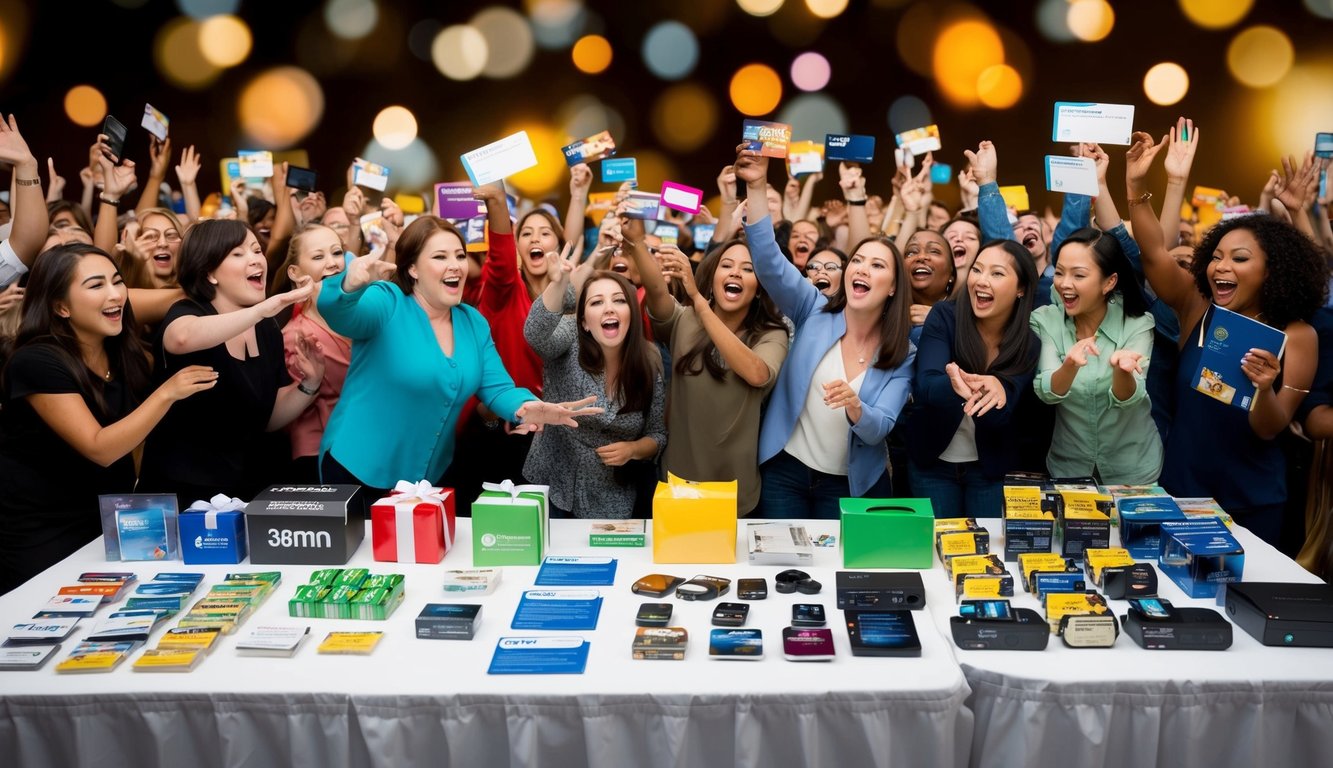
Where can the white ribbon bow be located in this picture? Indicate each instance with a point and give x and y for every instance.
(407, 496)
(508, 487)
(211, 508)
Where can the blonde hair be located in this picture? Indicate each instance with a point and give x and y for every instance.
(282, 282)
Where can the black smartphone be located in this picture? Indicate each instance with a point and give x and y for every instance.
(730, 614)
(808, 615)
(115, 137)
(752, 589)
(300, 178)
(653, 615)
(1152, 607)
(987, 610)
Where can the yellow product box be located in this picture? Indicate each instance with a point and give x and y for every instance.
(949, 524)
(202, 638)
(981, 586)
(168, 660)
(1029, 522)
(1096, 561)
(1030, 562)
(97, 661)
(1085, 522)
(965, 564)
(694, 522)
(354, 643)
(1061, 604)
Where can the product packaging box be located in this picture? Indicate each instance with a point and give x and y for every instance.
(779, 542)
(1198, 555)
(1061, 604)
(1029, 521)
(1085, 522)
(447, 621)
(212, 532)
(1141, 519)
(139, 526)
(413, 524)
(960, 536)
(1042, 562)
(694, 522)
(510, 524)
(887, 533)
(1096, 561)
(618, 533)
(352, 593)
(305, 524)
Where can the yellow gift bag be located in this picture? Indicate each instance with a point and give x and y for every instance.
(694, 522)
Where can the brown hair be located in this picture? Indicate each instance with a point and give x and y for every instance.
(639, 360)
(895, 321)
(413, 241)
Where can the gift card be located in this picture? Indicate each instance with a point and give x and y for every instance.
(1085, 121)
(1072, 175)
(256, 164)
(567, 655)
(851, 149)
(590, 150)
(738, 644)
(454, 200)
(800, 644)
(941, 173)
(155, 122)
(768, 139)
(679, 197)
(370, 175)
(618, 169)
(919, 141)
(1016, 197)
(805, 157)
(642, 205)
(1208, 197)
(499, 159)
(703, 236)
(667, 233)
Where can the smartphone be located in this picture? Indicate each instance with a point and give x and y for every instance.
(808, 615)
(1152, 607)
(115, 137)
(752, 589)
(653, 615)
(1323, 145)
(730, 614)
(300, 178)
(989, 610)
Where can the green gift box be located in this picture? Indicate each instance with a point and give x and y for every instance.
(510, 524)
(887, 533)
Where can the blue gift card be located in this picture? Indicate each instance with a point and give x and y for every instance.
(703, 236)
(539, 656)
(941, 173)
(557, 609)
(852, 149)
(142, 533)
(577, 572)
(618, 169)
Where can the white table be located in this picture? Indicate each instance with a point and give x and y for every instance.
(431, 701)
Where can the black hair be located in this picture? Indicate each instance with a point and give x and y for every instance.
(1014, 355)
(203, 249)
(1111, 260)
(762, 316)
(1297, 280)
(896, 320)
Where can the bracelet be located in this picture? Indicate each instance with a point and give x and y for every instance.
(1145, 197)
(856, 202)
(300, 385)
(27, 182)
(1296, 389)
(108, 200)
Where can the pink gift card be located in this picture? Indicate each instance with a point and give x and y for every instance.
(681, 198)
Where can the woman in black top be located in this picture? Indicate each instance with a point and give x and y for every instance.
(74, 408)
(211, 444)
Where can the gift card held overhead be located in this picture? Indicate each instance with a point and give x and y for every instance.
(618, 169)
(805, 157)
(768, 139)
(919, 141)
(941, 173)
(499, 159)
(454, 201)
(1016, 197)
(474, 232)
(155, 122)
(370, 175)
(703, 236)
(590, 150)
(1072, 175)
(1093, 123)
(851, 149)
(667, 232)
(1208, 197)
(642, 205)
(255, 165)
(679, 197)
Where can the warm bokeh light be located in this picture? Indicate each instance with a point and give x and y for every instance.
(963, 51)
(670, 50)
(1090, 20)
(1215, 14)
(412, 167)
(810, 71)
(280, 107)
(459, 52)
(915, 36)
(1000, 86)
(550, 170)
(654, 168)
(826, 9)
(684, 117)
(756, 89)
(85, 105)
(224, 41)
(760, 7)
(585, 115)
(395, 127)
(1260, 56)
(908, 112)
(351, 19)
(1166, 83)
(811, 115)
(179, 58)
(592, 54)
(509, 43)
(556, 23)
(1299, 108)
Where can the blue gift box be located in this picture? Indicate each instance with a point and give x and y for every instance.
(1198, 555)
(219, 540)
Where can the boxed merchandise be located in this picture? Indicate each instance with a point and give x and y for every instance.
(1118, 492)
(213, 531)
(447, 621)
(510, 524)
(475, 582)
(979, 576)
(1141, 520)
(1085, 521)
(887, 533)
(1203, 507)
(305, 524)
(1041, 562)
(139, 526)
(1029, 521)
(1061, 604)
(1198, 555)
(960, 536)
(1096, 561)
(413, 524)
(353, 593)
(668, 643)
(779, 543)
(618, 533)
(694, 522)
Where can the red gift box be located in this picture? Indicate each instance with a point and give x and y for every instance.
(414, 524)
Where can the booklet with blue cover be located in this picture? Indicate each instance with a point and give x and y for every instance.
(1225, 339)
(539, 656)
(558, 609)
(577, 572)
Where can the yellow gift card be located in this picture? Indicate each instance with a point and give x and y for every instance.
(975, 585)
(97, 661)
(1016, 197)
(1082, 505)
(962, 543)
(168, 660)
(694, 522)
(201, 638)
(359, 643)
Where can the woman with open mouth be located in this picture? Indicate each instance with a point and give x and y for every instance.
(824, 270)
(976, 359)
(846, 377)
(1095, 345)
(1268, 271)
(154, 250)
(728, 344)
(932, 271)
(77, 400)
(963, 235)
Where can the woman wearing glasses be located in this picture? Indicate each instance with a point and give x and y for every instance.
(153, 251)
(824, 270)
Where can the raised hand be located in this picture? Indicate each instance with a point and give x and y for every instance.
(726, 184)
(750, 167)
(1179, 156)
(118, 180)
(563, 414)
(13, 149)
(984, 163)
(676, 266)
(188, 381)
(1078, 354)
(1127, 360)
(1294, 185)
(159, 155)
(1138, 159)
(56, 188)
(852, 182)
(187, 170)
(364, 270)
(580, 180)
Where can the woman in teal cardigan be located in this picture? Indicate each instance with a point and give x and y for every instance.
(418, 354)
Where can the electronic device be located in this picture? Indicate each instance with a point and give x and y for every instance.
(994, 610)
(808, 615)
(656, 585)
(300, 178)
(1024, 630)
(736, 644)
(115, 132)
(703, 588)
(800, 644)
(1275, 613)
(1152, 607)
(882, 633)
(1089, 630)
(793, 580)
(752, 589)
(653, 615)
(1122, 582)
(1182, 629)
(880, 591)
(730, 614)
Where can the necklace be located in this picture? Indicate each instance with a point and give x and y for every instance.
(861, 357)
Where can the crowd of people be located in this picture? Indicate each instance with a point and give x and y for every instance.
(811, 351)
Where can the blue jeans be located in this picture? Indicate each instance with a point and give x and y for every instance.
(957, 490)
(789, 490)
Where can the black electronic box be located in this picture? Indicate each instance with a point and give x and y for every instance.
(1276, 613)
(880, 591)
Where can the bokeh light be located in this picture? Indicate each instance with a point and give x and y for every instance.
(654, 168)
(550, 170)
(826, 9)
(592, 54)
(811, 115)
(1090, 20)
(1000, 86)
(1052, 17)
(224, 41)
(1260, 56)
(915, 36)
(1215, 14)
(963, 51)
(760, 7)
(85, 105)
(908, 112)
(200, 9)
(459, 52)
(413, 166)
(280, 107)
(1321, 8)
(1166, 83)
(1299, 109)
(395, 127)
(351, 19)
(556, 24)
(509, 43)
(756, 89)
(684, 117)
(670, 50)
(810, 71)
(179, 58)
(585, 115)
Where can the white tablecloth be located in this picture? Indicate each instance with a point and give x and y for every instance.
(431, 701)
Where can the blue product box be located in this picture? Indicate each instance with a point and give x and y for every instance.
(210, 542)
(139, 526)
(1198, 555)
(1141, 518)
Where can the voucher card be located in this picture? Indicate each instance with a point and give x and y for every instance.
(851, 149)
(1016, 197)
(1095, 123)
(805, 157)
(499, 159)
(455, 201)
(255, 164)
(919, 141)
(681, 198)
(370, 175)
(768, 139)
(155, 122)
(539, 656)
(590, 150)
(1073, 175)
(618, 169)
(642, 205)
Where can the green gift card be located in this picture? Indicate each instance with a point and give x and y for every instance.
(887, 533)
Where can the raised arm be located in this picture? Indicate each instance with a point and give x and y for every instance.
(1183, 142)
(1172, 284)
(727, 219)
(580, 181)
(853, 186)
(192, 333)
(159, 156)
(187, 173)
(661, 304)
(28, 208)
(118, 181)
(1296, 188)
(795, 296)
(284, 219)
(802, 207)
(991, 210)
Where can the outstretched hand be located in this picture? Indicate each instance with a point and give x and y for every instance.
(539, 412)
